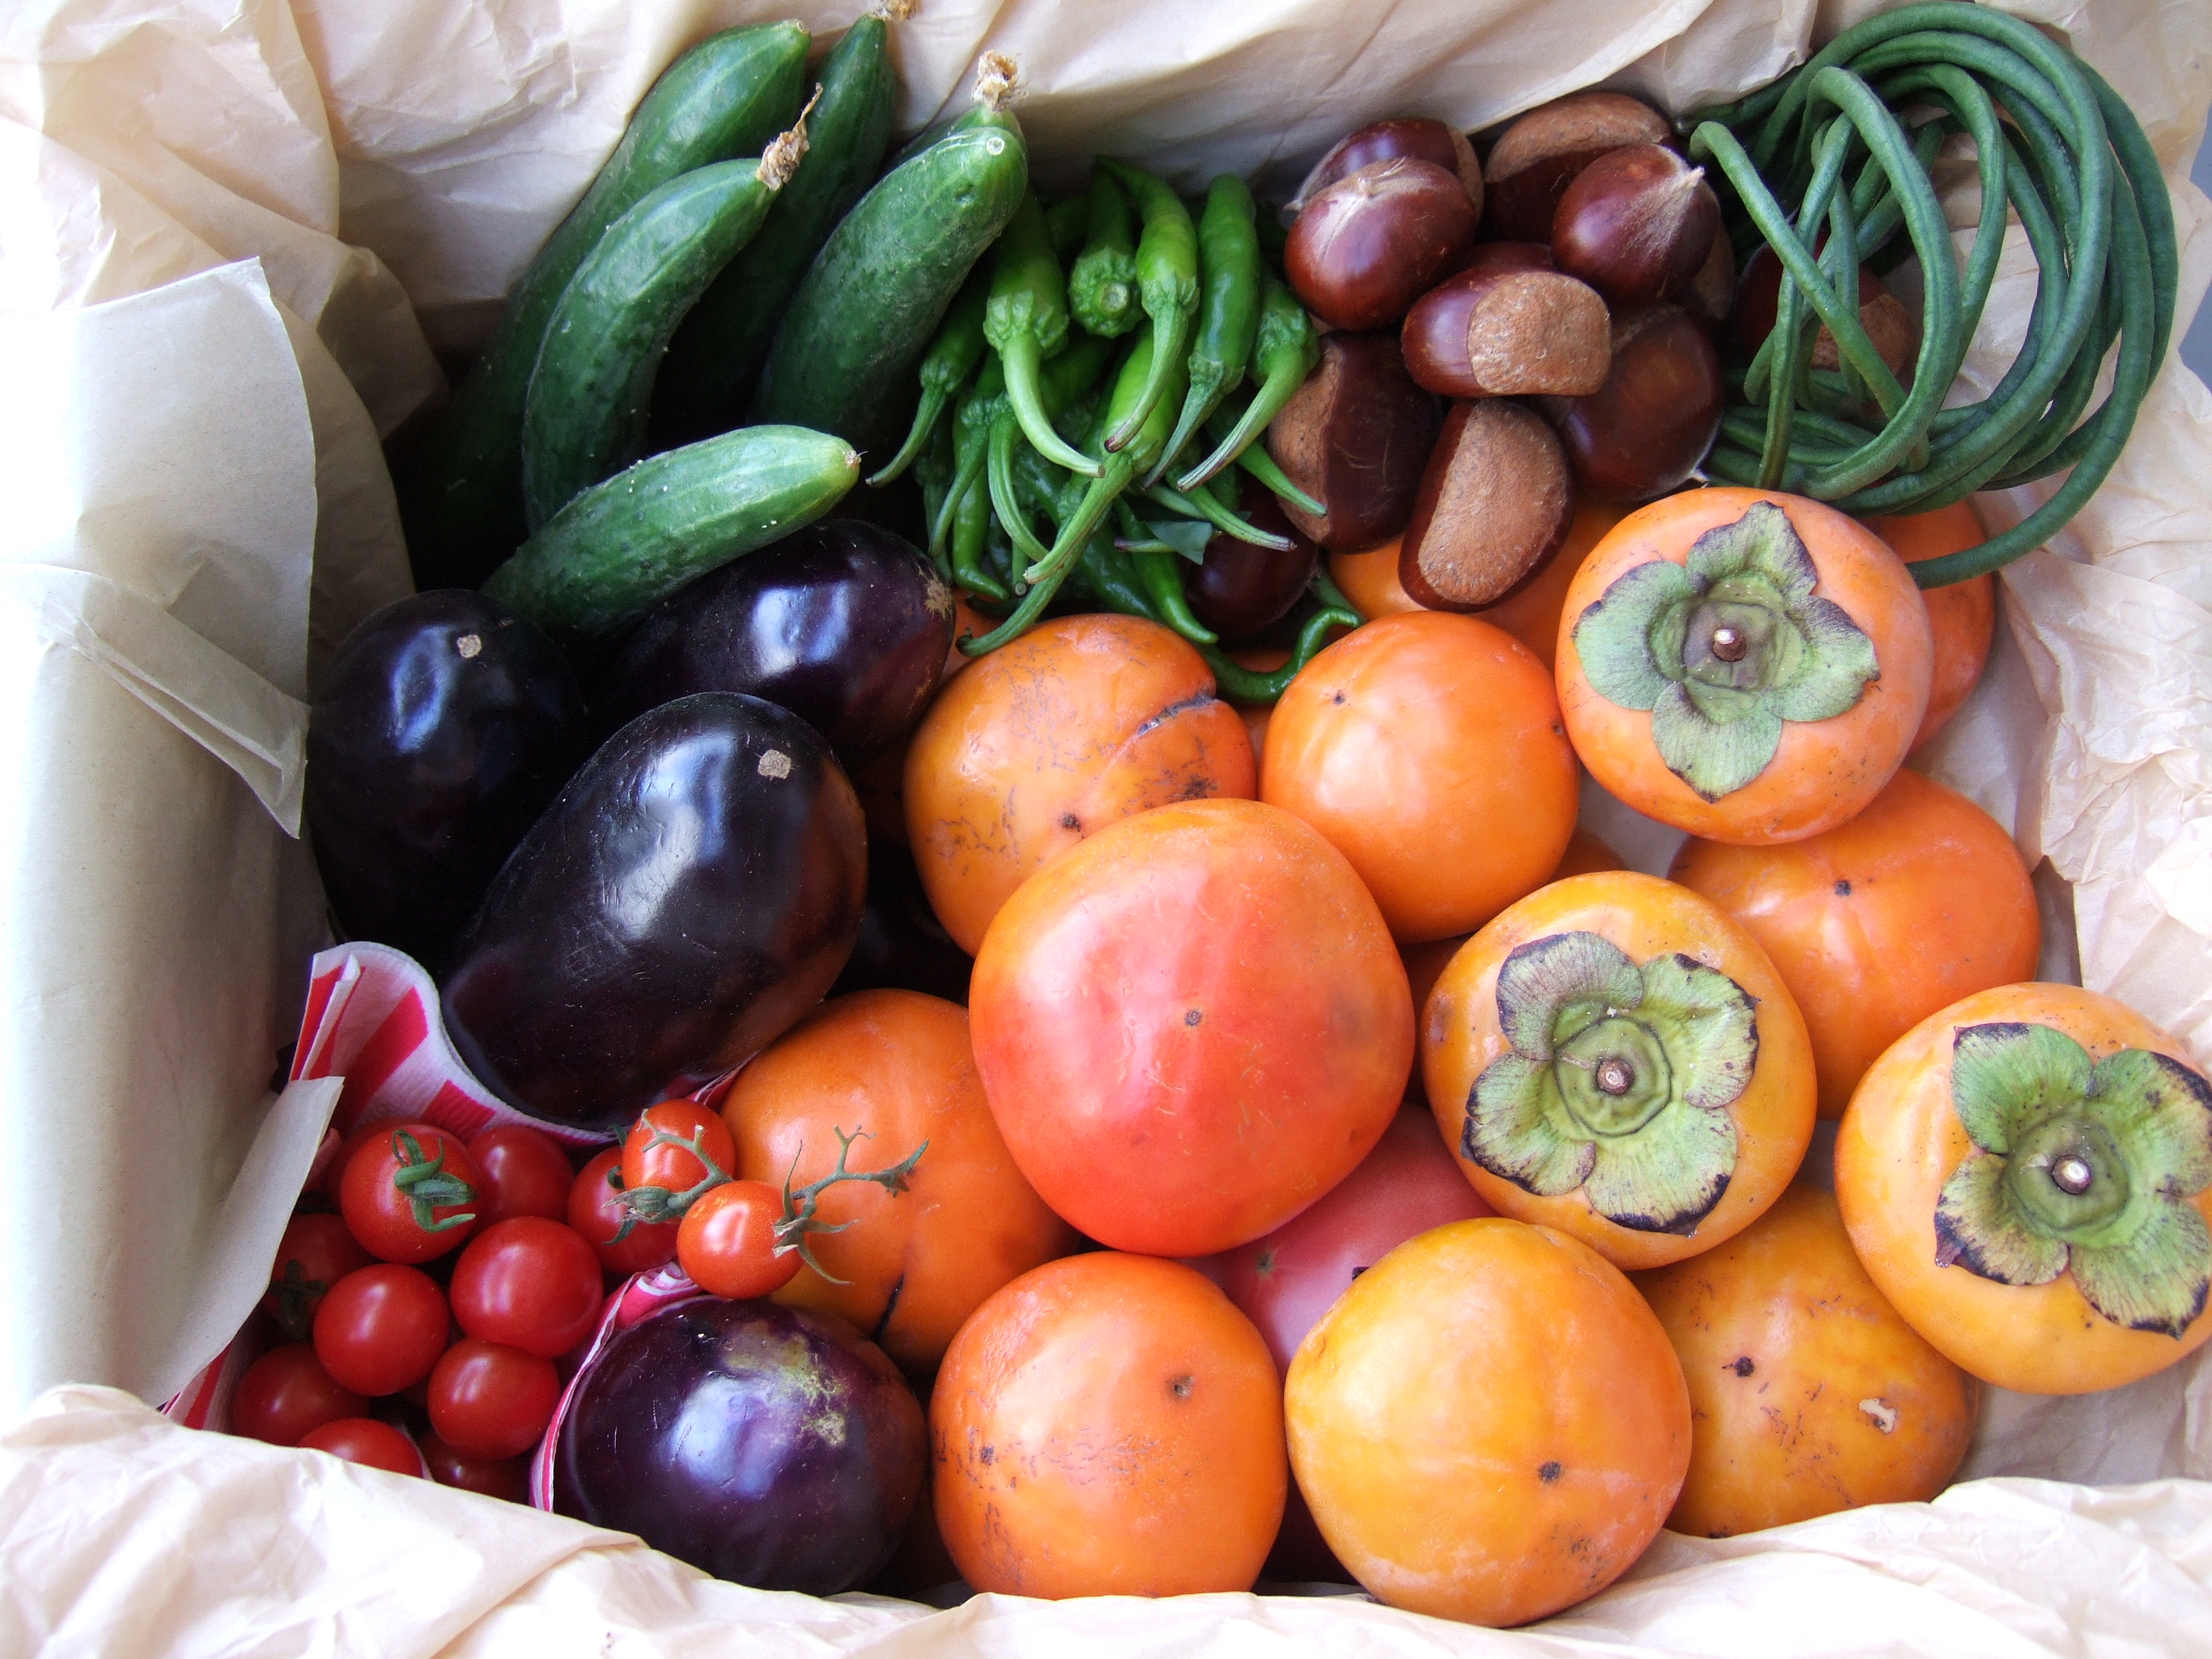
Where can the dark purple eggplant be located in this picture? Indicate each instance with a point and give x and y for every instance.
(902, 947)
(693, 891)
(767, 1445)
(1239, 589)
(845, 623)
(444, 726)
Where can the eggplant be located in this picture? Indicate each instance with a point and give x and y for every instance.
(902, 946)
(1240, 588)
(694, 890)
(845, 623)
(444, 726)
(766, 1445)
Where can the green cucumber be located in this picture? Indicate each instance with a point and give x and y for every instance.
(716, 354)
(845, 354)
(460, 477)
(623, 545)
(585, 417)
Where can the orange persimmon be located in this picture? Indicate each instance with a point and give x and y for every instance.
(1962, 615)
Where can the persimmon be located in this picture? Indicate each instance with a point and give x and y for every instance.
(1746, 666)
(1961, 615)
(1108, 1424)
(1879, 922)
(1613, 1056)
(2028, 1175)
(1490, 1425)
(1079, 723)
(1428, 749)
(1191, 1026)
(1808, 1393)
(896, 1067)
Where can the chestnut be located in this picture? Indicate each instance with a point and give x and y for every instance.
(1423, 139)
(1636, 224)
(1483, 333)
(1645, 431)
(1510, 256)
(1238, 588)
(1893, 329)
(1356, 436)
(1367, 247)
(1495, 502)
(1536, 157)
(1710, 296)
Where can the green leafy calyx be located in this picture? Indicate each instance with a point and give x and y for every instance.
(2081, 1166)
(1617, 1081)
(1725, 649)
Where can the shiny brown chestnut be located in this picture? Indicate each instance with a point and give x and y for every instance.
(1636, 224)
(1535, 158)
(1419, 136)
(1238, 588)
(1370, 244)
(1710, 296)
(1495, 502)
(1356, 437)
(1510, 256)
(1645, 431)
(1488, 333)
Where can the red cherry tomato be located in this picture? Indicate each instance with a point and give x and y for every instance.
(524, 1173)
(669, 1164)
(380, 1328)
(595, 1211)
(490, 1400)
(364, 1440)
(410, 1191)
(492, 1476)
(528, 1283)
(286, 1394)
(727, 1241)
(316, 1252)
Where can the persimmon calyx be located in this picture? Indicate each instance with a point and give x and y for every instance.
(2082, 1167)
(1617, 1081)
(799, 1207)
(1725, 649)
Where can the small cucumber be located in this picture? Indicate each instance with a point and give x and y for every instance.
(460, 478)
(623, 545)
(845, 355)
(585, 418)
(716, 354)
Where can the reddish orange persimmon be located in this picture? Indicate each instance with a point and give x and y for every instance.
(1108, 1424)
(1903, 1140)
(1819, 771)
(1489, 1424)
(1191, 1026)
(1080, 722)
(1962, 615)
(1808, 1393)
(1879, 922)
(895, 1067)
(1428, 749)
(1370, 581)
(881, 784)
(1761, 1081)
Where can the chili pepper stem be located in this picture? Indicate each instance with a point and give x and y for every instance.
(1171, 342)
(1277, 390)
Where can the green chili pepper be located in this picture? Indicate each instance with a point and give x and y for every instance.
(1105, 569)
(1284, 354)
(1026, 318)
(966, 494)
(934, 472)
(1101, 285)
(1200, 504)
(946, 368)
(1242, 684)
(1167, 281)
(971, 533)
(1161, 575)
(1069, 223)
(1065, 379)
(1256, 460)
(1228, 308)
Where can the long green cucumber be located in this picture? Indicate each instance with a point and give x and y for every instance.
(845, 355)
(625, 544)
(585, 417)
(459, 478)
(716, 354)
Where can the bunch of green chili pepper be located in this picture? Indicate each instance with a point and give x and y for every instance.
(1044, 449)
(1827, 147)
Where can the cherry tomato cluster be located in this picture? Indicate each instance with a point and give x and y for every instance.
(425, 1317)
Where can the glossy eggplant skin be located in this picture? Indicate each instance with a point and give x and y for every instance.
(693, 891)
(766, 1445)
(845, 623)
(444, 726)
(1239, 588)
(902, 947)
